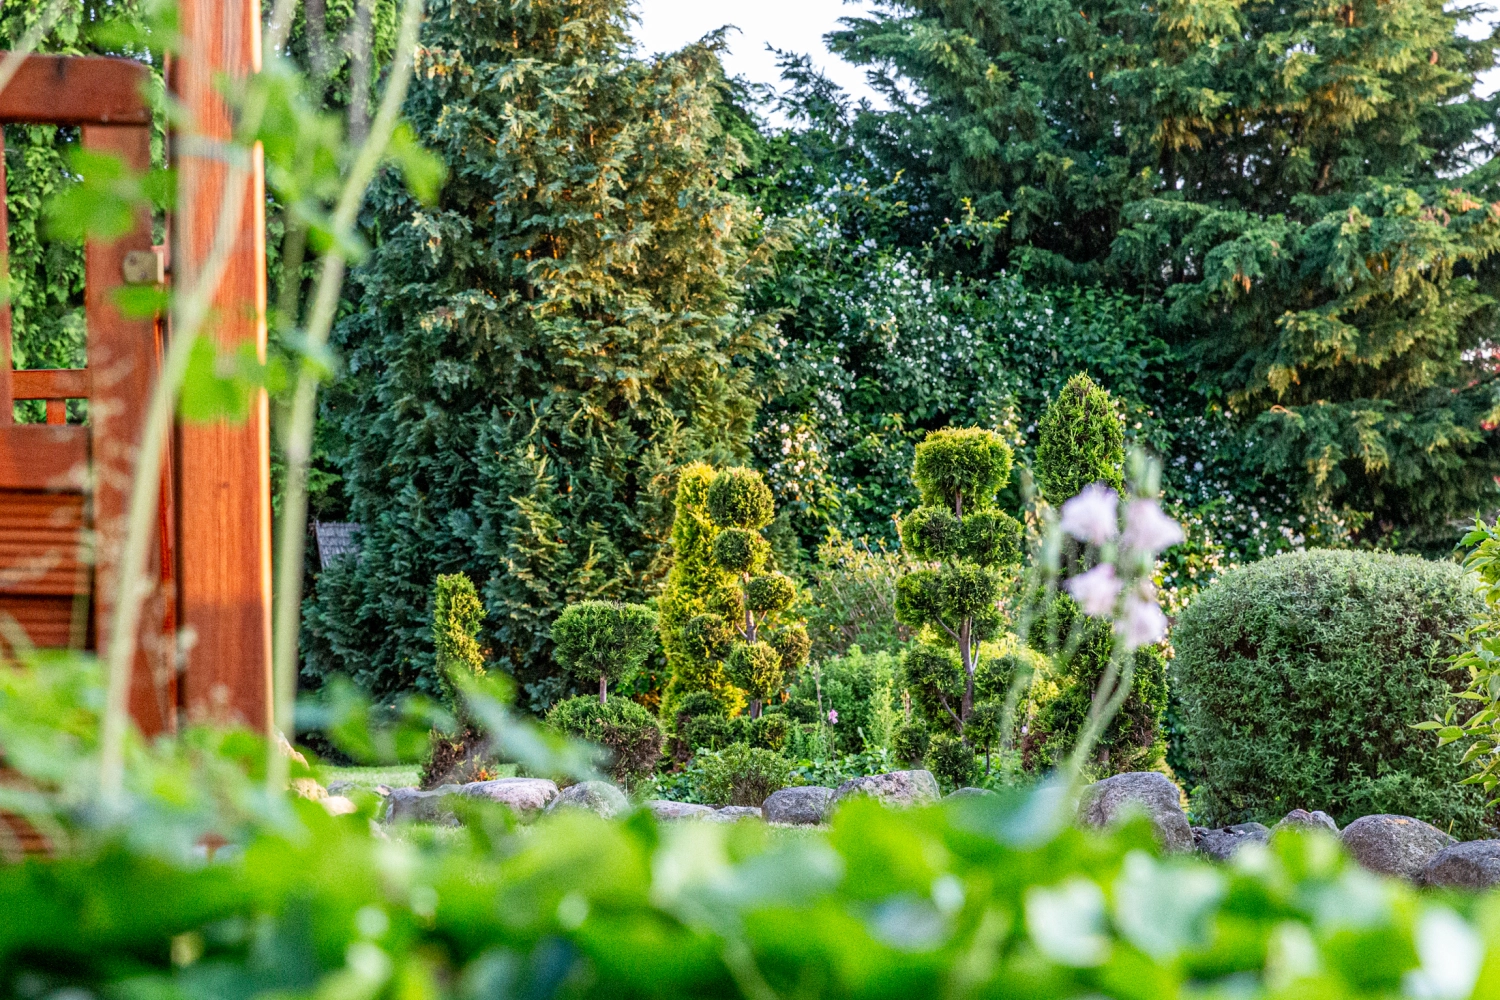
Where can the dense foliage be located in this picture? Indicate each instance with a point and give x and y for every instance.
(630, 734)
(530, 360)
(457, 616)
(1479, 729)
(1300, 678)
(1304, 188)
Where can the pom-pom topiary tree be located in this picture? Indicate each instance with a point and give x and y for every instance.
(753, 640)
(604, 641)
(959, 471)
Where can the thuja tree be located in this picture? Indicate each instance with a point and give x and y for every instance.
(1080, 444)
(696, 587)
(604, 642)
(959, 527)
(457, 616)
(530, 360)
(1080, 440)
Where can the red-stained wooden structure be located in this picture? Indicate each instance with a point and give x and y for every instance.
(64, 489)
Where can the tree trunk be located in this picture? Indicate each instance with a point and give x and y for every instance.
(603, 688)
(966, 653)
(755, 704)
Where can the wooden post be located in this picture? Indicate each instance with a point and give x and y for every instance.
(124, 358)
(223, 470)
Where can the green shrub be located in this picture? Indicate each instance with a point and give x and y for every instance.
(711, 732)
(1080, 440)
(699, 703)
(629, 732)
(1299, 677)
(1135, 740)
(851, 598)
(910, 742)
(742, 775)
(951, 761)
(859, 686)
(769, 732)
(604, 642)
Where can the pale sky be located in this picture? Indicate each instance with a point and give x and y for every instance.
(794, 25)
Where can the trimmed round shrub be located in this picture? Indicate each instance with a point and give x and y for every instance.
(631, 734)
(1299, 677)
(769, 732)
(961, 463)
(741, 775)
(711, 732)
(910, 742)
(740, 498)
(770, 593)
(737, 550)
(951, 761)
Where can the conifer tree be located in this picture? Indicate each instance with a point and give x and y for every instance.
(748, 639)
(457, 617)
(529, 361)
(1305, 187)
(1080, 440)
(959, 471)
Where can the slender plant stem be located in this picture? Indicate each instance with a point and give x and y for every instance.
(297, 439)
(188, 317)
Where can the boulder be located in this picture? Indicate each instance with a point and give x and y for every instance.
(667, 809)
(413, 805)
(1394, 845)
(1105, 801)
(733, 814)
(968, 793)
(342, 787)
(803, 806)
(524, 796)
(1301, 818)
(1221, 844)
(1471, 865)
(896, 788)
(338, 805)
(596, 796)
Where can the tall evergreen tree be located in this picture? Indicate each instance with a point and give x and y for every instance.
(1296, 182)
(529, 361)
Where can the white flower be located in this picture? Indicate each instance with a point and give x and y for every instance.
(1147, 529)
(1142, 623)
(1096, 590)
(1090, 516)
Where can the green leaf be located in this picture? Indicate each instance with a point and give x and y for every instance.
(423, 170)
(221, 385)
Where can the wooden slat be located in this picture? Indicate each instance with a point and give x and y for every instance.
(51, 383)
(41, 546)
(38, 457)
(76, 90)
(46, 620)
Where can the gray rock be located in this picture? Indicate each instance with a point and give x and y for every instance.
(667, 809)
(1301, 818)
(1471, 865)
(733, 814)
(412, 805)
(524, 796)
(1394, 845)
(342, 787)
(897, 788)
(1151, 791)
(1221, 844)
(968, 793)
(803, 806)
(596, 796)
